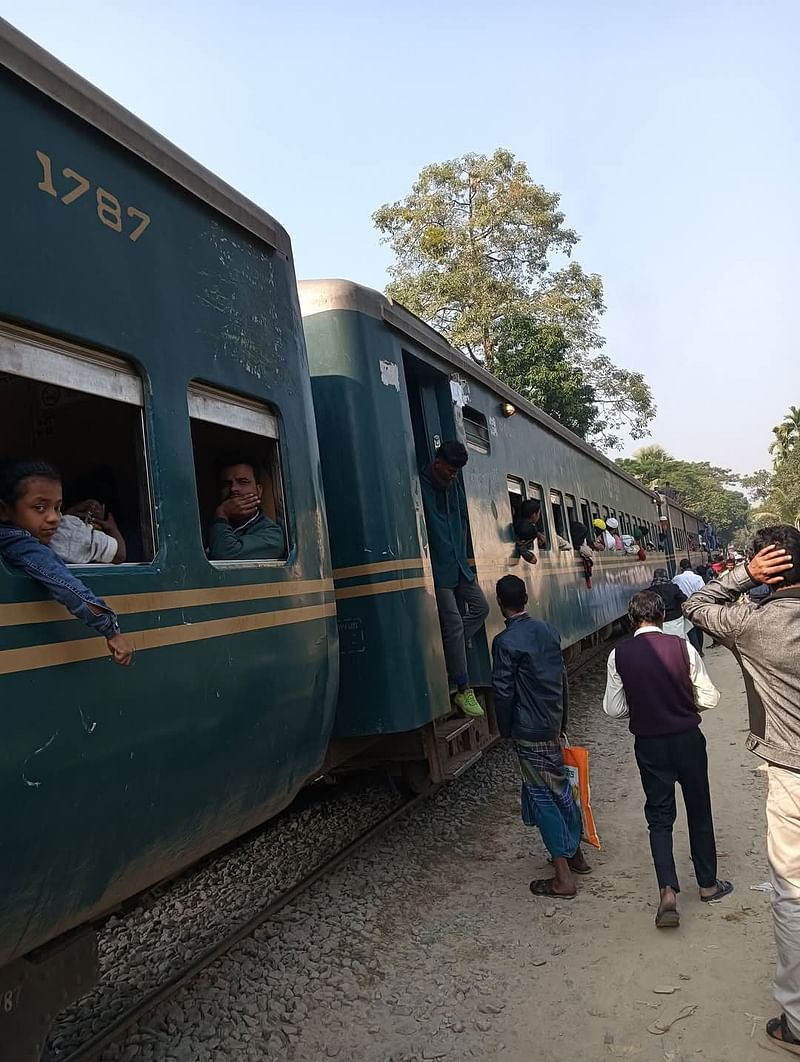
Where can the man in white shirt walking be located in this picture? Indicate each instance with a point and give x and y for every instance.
(687, 581)
(660, 684)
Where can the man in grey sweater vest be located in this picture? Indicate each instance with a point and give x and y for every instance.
(657, 682)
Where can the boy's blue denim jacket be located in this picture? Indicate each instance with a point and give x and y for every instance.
(21, 550)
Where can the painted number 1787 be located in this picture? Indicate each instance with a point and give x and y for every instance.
(109, 208)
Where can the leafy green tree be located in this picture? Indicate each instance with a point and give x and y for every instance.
(701, 487)
(533, 359)
(472, 244)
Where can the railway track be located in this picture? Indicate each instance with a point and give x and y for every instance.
(93, 1047)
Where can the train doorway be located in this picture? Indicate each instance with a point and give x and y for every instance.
(433, 422)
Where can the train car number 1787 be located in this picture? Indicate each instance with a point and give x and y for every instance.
(109, 209)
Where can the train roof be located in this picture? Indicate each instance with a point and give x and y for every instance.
(46, 73)
(318, 296)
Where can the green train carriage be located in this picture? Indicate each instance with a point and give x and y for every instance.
(148, 323)
(387, 390)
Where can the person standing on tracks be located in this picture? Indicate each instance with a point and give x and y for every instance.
(530, 696)
(687, 581)
(462, 605)
(765, 639)
(660, 685)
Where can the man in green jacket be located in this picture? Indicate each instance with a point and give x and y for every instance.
(240, 530)
(462, 606)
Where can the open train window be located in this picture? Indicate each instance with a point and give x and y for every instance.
(606, 512)
(230, 432)
(572, 510)
(559, 518)
(82, 412)
(595, 511)
(516, 495)
(535, 490)
(586, 514)
(476, 430)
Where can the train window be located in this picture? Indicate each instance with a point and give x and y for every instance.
(536, 491)
(83, 412)
(559, 519)
(595, 511)
(228, 430)
(606, 512)
(572, 509)
(476, 430)
(516, 494)
(586, 513)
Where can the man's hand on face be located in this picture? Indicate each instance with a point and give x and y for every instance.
(768, 564)
(238, 507)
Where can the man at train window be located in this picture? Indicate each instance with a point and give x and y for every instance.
(240, 530)
(461, 603)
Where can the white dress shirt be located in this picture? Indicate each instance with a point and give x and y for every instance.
(615, 704)
(687, 582)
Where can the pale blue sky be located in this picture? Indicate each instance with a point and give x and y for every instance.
(670, 129)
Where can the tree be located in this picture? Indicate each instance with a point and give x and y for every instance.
(533, 359)
(787, 435)
(472, 244)
(701, 487)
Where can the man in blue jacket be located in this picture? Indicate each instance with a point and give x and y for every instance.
(530, 696)
(462, 606)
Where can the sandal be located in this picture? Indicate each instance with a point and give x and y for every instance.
(668, 919)
(585, 869)
(544, 887)
(787, 1040)
(724, 888)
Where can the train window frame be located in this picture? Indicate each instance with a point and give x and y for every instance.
(481, 442)
(536, 490)
(515, 488)
(247, 416)
(570, 506)
(606, 512)
(65, 369)
(595, 511)
(558, 510)
(586, 513)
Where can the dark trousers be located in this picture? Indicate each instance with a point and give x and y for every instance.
(695, 636)
(663, 761)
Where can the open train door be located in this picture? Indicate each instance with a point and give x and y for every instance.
(433, 422)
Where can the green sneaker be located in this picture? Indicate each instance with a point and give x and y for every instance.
(468, 703)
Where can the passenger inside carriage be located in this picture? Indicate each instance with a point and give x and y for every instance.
(240, 530)
(88, 534)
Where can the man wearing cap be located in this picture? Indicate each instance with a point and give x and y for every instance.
(612, 526)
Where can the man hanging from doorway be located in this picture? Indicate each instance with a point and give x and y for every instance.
(462, 606)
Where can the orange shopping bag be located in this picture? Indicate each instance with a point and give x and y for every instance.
(576, 760)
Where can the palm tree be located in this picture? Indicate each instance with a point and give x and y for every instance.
(781, 445)
(792, 424)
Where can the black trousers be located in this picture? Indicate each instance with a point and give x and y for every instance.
(663, 761)
(695, 636)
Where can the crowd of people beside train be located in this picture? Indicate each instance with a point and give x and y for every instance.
(656, 681)
(41, 538)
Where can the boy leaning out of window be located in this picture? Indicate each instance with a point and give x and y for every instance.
(30, 514)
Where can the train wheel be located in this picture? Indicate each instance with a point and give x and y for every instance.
(416, 777)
